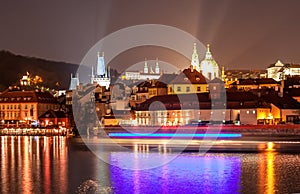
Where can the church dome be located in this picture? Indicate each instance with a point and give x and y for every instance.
(209, 66)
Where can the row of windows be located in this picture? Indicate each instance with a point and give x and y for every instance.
(15, 114)
(16, 106)
(187, 89)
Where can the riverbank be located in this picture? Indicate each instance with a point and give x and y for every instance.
(34, 131)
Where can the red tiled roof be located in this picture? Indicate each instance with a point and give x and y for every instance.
(27, 96)
(189, 76)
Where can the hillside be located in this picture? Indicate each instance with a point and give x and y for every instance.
(13, 67)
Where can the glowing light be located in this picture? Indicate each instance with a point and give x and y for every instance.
(270, 146)
(169, 135)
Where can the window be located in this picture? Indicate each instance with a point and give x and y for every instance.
(178, 89)
(188, 89)
(26, 106)
(198, 88)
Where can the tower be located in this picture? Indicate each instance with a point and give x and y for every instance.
(74, 82)
(195, 58)
(146, 69)
(102, 74)
(157, 67)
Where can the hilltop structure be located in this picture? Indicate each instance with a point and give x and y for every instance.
(147, 74)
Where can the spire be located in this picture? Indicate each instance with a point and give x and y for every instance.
(223, 73)
(195, 58)
(208, 54)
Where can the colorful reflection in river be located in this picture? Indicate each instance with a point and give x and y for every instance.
(188, 173)
(28, 164)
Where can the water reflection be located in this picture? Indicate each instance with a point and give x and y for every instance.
(58, 165)
(188, 173)
(267, 173)
(29, 164)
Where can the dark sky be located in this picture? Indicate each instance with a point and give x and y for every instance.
(242, 33)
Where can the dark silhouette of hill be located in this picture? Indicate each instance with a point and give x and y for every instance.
(13, 67)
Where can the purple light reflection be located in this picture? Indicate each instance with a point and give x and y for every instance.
(188, 173)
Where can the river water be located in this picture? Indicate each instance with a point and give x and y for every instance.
(62, 165)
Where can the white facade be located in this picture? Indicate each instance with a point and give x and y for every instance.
(280, 71)
(274, 71)
(146, 74)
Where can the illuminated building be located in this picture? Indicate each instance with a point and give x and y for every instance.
(209, 67)
(280, 71)
(147, 74)
(275, 71)
(102, 74)
(54, 118)
(187, 82)
(170, 110)
(18, 107)
(253, 84)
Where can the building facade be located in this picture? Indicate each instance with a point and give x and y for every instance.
(188, 81)
(23, 107)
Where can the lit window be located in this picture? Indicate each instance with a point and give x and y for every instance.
(254, 112)
(247, 111)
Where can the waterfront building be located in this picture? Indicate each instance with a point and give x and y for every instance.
(284, 108)
(170, 110)
(55, 118)
(23, 107)
(102, 74)
(188, 81)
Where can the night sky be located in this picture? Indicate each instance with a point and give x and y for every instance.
(243, 34)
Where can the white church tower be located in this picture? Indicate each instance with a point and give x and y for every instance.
(102, 74)
(195, 59)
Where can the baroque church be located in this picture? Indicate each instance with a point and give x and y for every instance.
(208, 67)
